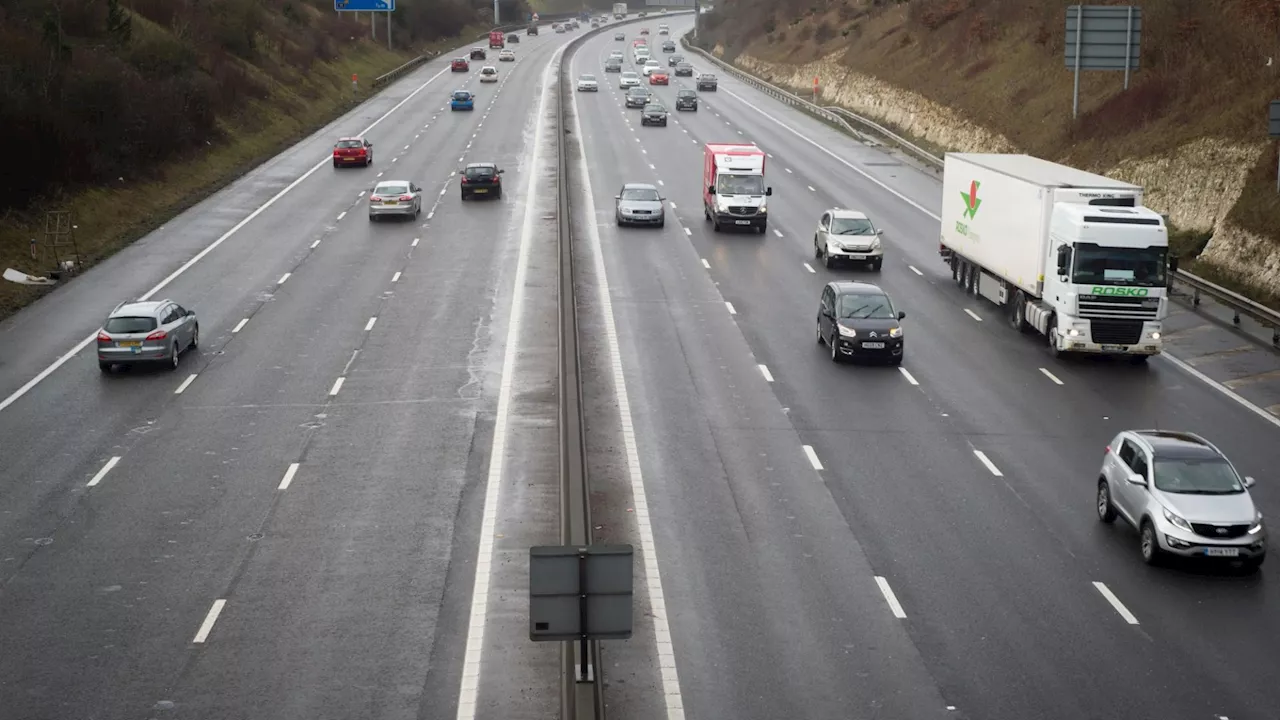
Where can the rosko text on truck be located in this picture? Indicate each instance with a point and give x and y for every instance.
(1072, 255)
(733, 189)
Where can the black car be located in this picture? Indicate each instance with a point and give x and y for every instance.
(654, 114)
(706, 81)
(858, 320)
(675, 60)
(637, 97)
(481, 179)
(684, 69)
(668, 46)
(613, 65)
(686, 100)
(478, 54)
(514, 38)
(533, 30)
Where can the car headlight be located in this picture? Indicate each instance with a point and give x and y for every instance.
(875, 243)
(1257, 524)
(847, 331)
(895, 332)
(1177, 520)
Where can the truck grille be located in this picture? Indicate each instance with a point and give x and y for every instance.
(741, 210)
(1116, 332)
(1119, 308)
(1211, 531)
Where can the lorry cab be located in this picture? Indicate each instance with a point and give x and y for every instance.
(734, 190)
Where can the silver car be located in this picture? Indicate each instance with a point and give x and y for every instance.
(628, 79)
(395, 197)
(640, 204)
(848, 236)
(1183, 496)
(155, 331)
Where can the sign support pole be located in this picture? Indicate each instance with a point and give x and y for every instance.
(373, 25)
(388, 31)
(1128, 47)
(1075, 93)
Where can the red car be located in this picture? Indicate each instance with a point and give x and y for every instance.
(352, 151)
(460, 65)
(659, 78)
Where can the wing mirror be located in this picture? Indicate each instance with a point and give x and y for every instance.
(661, 199)
(617, 197)
(1249, 482)
(1064, 258)
(902, 315)
(879, 231)
(1136, 479)
(501, 171)
(711, 189)
(768, 191)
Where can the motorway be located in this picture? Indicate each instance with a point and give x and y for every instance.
(325, 511)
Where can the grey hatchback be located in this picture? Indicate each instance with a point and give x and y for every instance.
(640, 204)
(147, 332)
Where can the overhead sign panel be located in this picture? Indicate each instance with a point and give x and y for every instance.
(364, 5)
(1104, 35)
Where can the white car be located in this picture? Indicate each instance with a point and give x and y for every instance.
(627, 80)
(488, 73)
(650, 66)
(616, 54)
(587, 83)
(642, 58)
(506, 56)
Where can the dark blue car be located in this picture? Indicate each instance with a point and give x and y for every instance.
(462, 100)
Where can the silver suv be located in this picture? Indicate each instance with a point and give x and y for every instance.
(147, 332)
(1184, 497)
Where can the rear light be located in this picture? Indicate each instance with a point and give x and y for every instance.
(361, 152)
(103, 337)
(1107, 451)
(158, 335)
(406, 198)
(375, 198)
(464, 179)
(497, 178)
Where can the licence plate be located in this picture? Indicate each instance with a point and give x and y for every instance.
(481, 190)
(1113, 347)
(130, 343)
(873, 346)
(1222, 552)
(390, 202)
(742, 222)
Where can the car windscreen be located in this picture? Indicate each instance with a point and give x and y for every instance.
(629, 75)
(479, 172)
(866, 306)
(350, 144)
(707, 77)
(654, 109)
(588, 78)
(686, 94)
(851, 226)
(640, 194)
(740, 185)
(462, 95)
(1196, 476)
(124, 325)
(391, 189)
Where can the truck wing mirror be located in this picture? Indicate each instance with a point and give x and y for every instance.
(768, 191)
(711, 189)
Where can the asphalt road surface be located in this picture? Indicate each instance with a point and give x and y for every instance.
(876, 542)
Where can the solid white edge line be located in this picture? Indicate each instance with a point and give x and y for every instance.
(185, 384)
(891, 598)
(729, 306)
(369, 325)
(1115, 603)
(972, 314)
(75, 350)
(987, 461)
(468, 692)
(907, 374)
(288, 477)
(212, 617)
(764, 370)
(1223, 389)
(239, 326)
(813, 457)
(648, 550)
(1050, 375)
(337, 385)
(97, 478)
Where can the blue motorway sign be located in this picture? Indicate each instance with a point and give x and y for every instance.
(364, 5)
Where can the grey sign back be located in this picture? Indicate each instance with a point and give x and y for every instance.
(1273, 123)
(1104, 35)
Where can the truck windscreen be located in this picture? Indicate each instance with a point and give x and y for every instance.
(740, 185)
(1098, 265)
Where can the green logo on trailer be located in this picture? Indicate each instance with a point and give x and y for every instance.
(1120, 291)
(971, 200)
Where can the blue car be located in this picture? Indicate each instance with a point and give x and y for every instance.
(462, 100)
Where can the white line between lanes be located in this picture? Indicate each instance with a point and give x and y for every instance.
(396, 277)
(914, 270)
(907, 374)
(315, 245)
(1050, 375)
(284, 278)
(1115, 603)
(288, 477)
(369, 325)
(185, 384)
(764, 370)
(788, 170)
(777, 232)
(972, 314)
(891, 598)
(809, 267)
(706, 264)
(342, 214)
(239, 326)
(687, 231)
(729, 306)
(987, 461)
(328, 158)
(811, 188)
(415, 241)
(337, 385)
(813, 457)
(97, 478)
(207, 626)
(468, 692)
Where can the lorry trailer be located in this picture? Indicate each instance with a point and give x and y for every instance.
(1069, 254)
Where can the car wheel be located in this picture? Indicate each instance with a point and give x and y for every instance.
(817, 249)
(819, 333)
(1150, 545)
(835, 349)
(1252, 564)
(464, 197)
(373, 218)
(827, 261)
(875, 266)
(498, 195)
(173, 357)
(195, 337)
(896, 361)
(1106, 512)
(662, 222)
(104, 366)
(336, 165)
(618, 218)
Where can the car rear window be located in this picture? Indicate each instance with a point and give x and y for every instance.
(350, 144)
(462, 95)
(477, 172)
(392, 190)
(124, 325)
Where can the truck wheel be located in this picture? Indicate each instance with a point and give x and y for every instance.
(1139, 359)
(1018, 312)
(1053, 334)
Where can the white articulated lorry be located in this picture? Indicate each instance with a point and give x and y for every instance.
(1072, 255)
